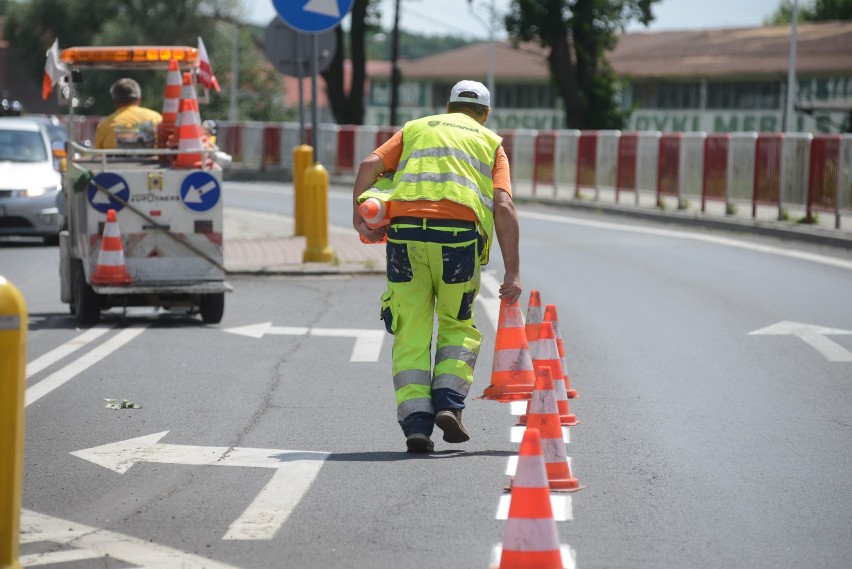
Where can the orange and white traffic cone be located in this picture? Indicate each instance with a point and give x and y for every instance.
(548, 356)
(551, 316)
(544, 416)
(171, 104)
(111, 269)
(190, 143)
(512, 376)
(534, 319)
(530, 538)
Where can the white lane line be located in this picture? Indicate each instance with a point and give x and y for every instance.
(100, 543)
(801, 255)
(561, 505)
(490, 304)
(59, 378)
(51, 557)
(64, 350)
(517, 434)
(512, 465)
(518, 407)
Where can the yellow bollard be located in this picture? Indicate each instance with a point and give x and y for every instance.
(303, 157)
(316, 215)
(13, 363)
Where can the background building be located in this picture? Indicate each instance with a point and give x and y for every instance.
(720, 80)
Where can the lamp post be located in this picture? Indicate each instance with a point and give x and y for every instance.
(791, 73)
(395, 73)
(489, 25)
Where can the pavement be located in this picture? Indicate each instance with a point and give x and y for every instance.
(264, 243)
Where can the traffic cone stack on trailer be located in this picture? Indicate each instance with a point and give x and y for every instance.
(171, 104)
(512, 376)
(111, 269)
(530, 539)
(551, 316)
(534, 319)
(543, 416)
(190, 144)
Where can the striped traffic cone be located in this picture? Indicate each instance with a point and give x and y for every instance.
(544, 416)
(548, 356)
(551, 316)
(534, 319)
(530, 539)
(111, 269)
(171, 104)
(190, 144)
(512, 375)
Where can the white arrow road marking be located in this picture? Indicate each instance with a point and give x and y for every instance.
(368, 343)
(100, 198)
(59, 378)
(193, 195)
(64, 350)
(324, 7)
(813, 335)
(93, 543)
(294, 473)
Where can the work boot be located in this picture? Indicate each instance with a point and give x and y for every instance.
(449, 421)
(418, 442)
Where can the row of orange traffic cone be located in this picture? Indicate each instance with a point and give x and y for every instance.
(181, 125)
(529, 364)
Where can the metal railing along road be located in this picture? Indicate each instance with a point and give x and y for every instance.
(772, 174)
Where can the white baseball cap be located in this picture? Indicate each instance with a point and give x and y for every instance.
(470, 92)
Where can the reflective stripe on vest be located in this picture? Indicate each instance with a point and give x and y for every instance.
(450, 157)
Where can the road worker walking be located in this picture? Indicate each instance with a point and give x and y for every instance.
(450, 193)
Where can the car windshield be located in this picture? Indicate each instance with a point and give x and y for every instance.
(22, 146)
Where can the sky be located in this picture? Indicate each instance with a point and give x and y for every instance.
(453, 16)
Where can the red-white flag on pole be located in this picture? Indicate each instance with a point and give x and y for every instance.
(205, 72)
(53, 70)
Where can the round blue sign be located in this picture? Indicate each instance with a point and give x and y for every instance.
(312, 16)
(115, 185)
(200, 191)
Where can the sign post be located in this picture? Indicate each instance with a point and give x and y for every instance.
(313, 17)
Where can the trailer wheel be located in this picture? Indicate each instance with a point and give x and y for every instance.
(86, 301)
(212, 307)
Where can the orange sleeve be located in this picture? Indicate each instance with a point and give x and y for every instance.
(500, 175)
(391, 151)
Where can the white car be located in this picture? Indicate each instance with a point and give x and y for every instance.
(29, 178)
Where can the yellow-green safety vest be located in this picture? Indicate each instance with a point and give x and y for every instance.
(447, 157)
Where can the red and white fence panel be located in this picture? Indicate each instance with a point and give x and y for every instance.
(565, 161)
(715, 174)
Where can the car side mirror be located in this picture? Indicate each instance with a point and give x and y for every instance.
(60, 155)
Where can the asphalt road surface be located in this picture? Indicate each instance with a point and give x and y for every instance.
(701, 443)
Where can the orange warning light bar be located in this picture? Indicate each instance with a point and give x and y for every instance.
(118, 56)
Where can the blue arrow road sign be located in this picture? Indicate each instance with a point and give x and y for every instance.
(312, 16)
(115, 184)
(200, 191)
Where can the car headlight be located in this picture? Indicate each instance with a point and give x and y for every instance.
(39, 191)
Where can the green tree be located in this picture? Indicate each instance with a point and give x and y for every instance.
(578, 34)
(32, 25)
(813, 11)
(348, 107)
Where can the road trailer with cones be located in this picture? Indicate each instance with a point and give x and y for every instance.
(144, 225)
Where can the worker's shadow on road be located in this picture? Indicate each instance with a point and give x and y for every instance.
(387, 456)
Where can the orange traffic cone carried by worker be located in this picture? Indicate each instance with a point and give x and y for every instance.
(530, 539)
(189, 133)
(548, 356)
(111, 269)
(543, 416)
(551, 316)
(534, 319)
(171, 104)
(512, 376)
